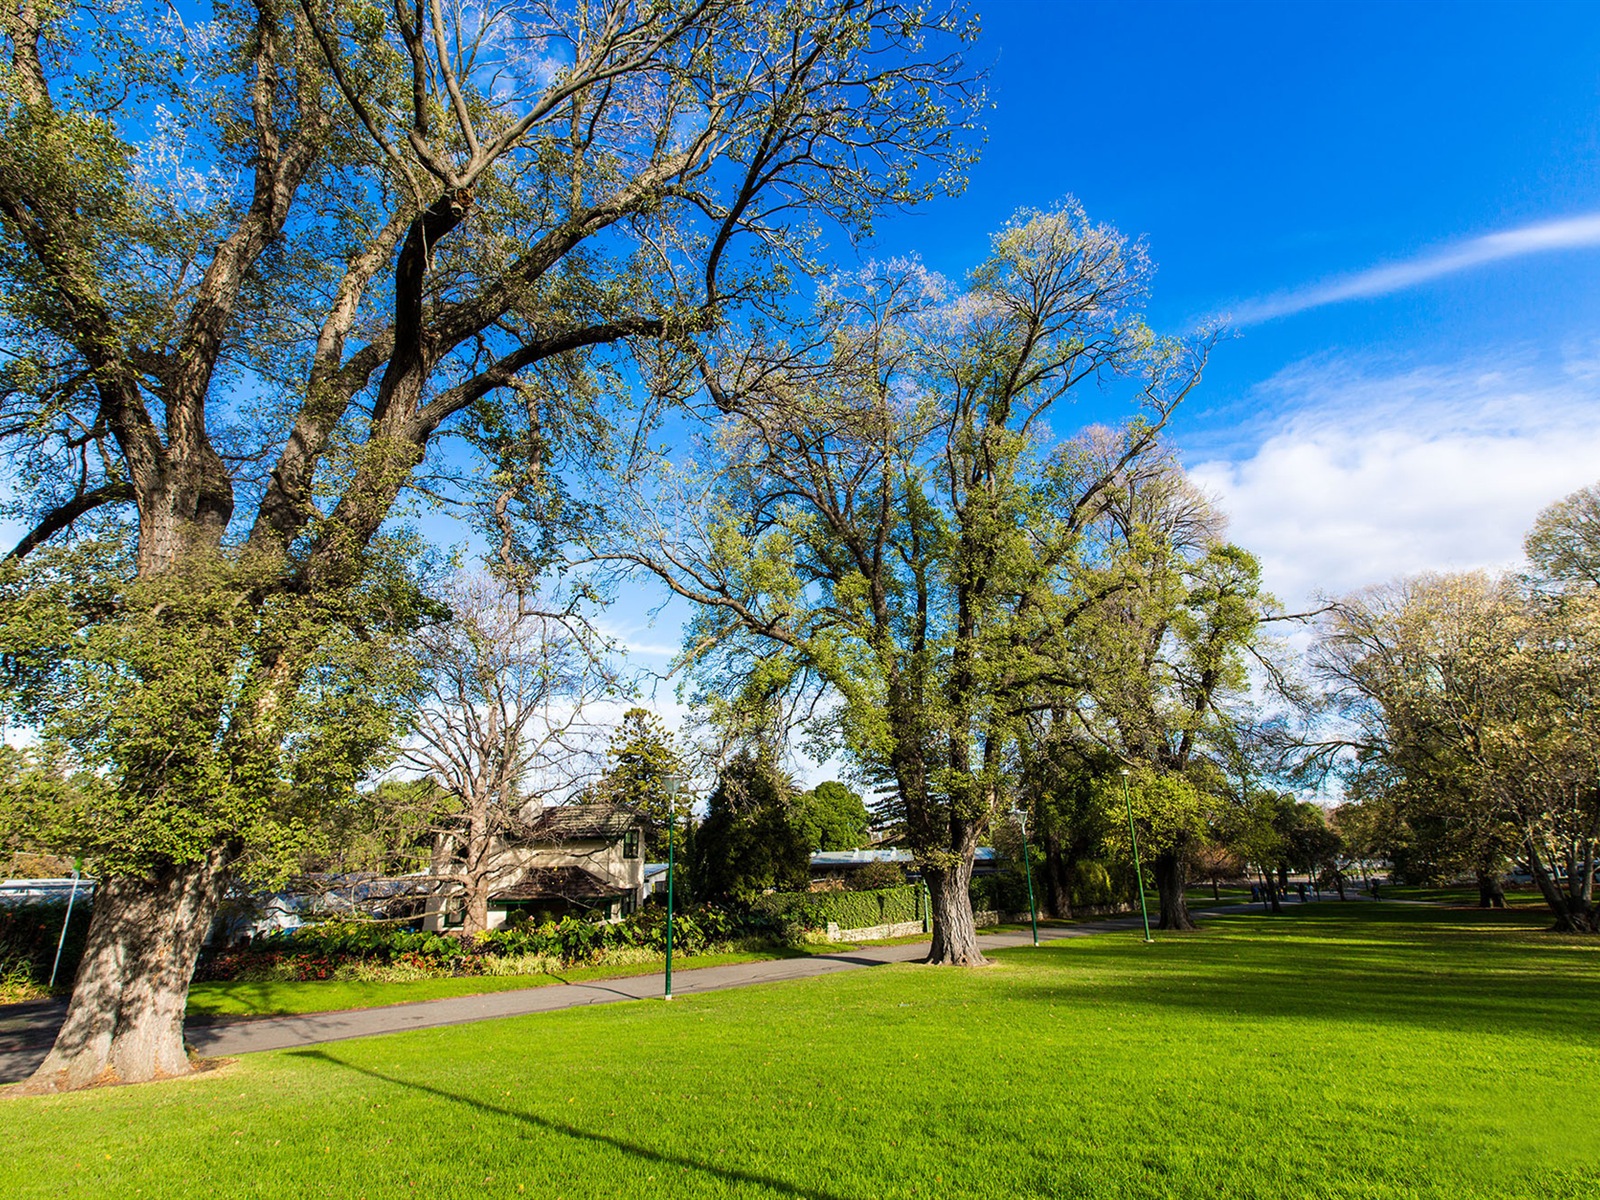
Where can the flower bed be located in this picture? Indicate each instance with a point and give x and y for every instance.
(373, 950)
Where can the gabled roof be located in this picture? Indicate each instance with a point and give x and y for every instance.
(559, 883)
(575, 822)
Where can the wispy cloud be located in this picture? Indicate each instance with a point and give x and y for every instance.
(1570, 234)
(1373, 474)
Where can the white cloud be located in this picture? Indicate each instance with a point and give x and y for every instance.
(1569, 234)
(1374, 476)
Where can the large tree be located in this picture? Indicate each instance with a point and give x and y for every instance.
(255, 273)
(885, 514)
(1158, 666)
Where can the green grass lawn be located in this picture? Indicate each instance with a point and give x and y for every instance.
(1335, 1051)
(277, 999)
(1201, 897)
(1466, 897)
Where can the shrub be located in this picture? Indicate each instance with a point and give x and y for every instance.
(29, 934)
(375, 950)
(1005, 891)
(1092, 884)
(876, 876)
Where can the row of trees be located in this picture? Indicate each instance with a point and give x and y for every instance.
(271, 284)
(1467, 707)
(268, 279)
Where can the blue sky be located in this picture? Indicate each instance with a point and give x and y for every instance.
(1266, 151)
(1401, 203)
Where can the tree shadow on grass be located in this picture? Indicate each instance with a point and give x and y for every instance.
(729, 1174)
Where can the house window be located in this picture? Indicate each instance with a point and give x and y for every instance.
(630, 905)
(630, 844)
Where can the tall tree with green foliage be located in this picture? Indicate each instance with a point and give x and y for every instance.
(750, 840)
(884, 516)
(1159, 659)
(832, 817)
(646, 771)
(256, 270)
(1474, 701)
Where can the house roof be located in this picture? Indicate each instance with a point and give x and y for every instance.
(857, 858)
(558, 883)
(571, 822)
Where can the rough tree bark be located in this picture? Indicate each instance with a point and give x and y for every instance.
(1170, 878)
(955, 934)
(125, 1024)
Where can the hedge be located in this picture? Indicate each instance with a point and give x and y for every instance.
(847, 910)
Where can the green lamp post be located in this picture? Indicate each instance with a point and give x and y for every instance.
(1138, 870)
(77, 873)
(672, 813)
(1027, 867)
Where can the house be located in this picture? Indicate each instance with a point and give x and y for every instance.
(45, 891)
(835, 866)
(571, 860)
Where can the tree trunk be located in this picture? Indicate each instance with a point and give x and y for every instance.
(1571, 916)
(1058, 880)
(1490, 893)
(125, 1021)
(1170, 878)
(475, 913)
(955, 934)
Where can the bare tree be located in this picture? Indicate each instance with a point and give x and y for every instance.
(509, 720)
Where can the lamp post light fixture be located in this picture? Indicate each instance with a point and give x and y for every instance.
(1138, 870)
(77, 873)
(671, 783)
(1027, 867)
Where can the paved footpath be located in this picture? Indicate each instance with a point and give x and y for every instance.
(26, 1030)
